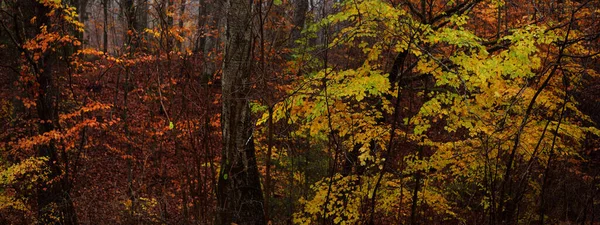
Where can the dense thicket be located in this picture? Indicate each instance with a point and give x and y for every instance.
(299, 111)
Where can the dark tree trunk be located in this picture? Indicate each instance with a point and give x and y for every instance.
(180, 44)
(300, 8)
(54, 202)
(141, 16)
(105, 26)
(415, 197)
(169, 16)
(201, 23)
(48, 194)
(130, 16)
(208, 20)
(239, 194)
(82, 11)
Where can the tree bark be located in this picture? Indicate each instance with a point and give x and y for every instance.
(83, 17)
(141, 16)
(181, 44)
(207, 43)
(130, 16)
(239, 194)
(54, 202)
(300, 8)
(105, 26)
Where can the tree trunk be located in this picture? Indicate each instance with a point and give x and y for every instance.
(82, 12)
(201, 23)
(105, 26)
(169, 16)
(415, 197)
(209, 43)
(239, 194)
(300, 8)
(141, 16)
(181, 44)
(54, 202)
(130, 16)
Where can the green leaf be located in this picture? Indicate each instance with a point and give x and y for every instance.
(256, 107)
(171, 125)
(277, 2)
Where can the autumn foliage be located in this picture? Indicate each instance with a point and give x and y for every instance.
(299, 112)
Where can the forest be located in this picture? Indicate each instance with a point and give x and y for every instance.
(256, 112)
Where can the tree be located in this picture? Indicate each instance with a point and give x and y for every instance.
(239, 192)
(44, 46)
(342, 112)
(454, 109)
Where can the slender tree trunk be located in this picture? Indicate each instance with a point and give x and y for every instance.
(125, 114)
(180, 44)
(210, 43)
(81, 6)
(48, 193)
(169, 15)
(415, 197)
(200, 27)
(130, 16)
(53, 200)
(105, 27)
(268, 165)
(141, 16)
(300, 8)
(239, 194)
